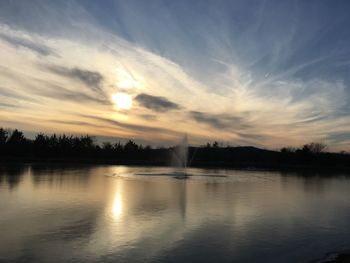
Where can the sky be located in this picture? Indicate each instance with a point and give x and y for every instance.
(261, 73)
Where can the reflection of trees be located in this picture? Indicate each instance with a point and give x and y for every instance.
(53, 173)
(58, 173)
(315, 182)
(12, 174)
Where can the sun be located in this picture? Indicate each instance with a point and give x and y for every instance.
(122, 100)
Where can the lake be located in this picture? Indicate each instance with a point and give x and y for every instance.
(149, 214)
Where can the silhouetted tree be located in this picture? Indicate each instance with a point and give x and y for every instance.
(16, 142)
(118, 146)
(3, 136)
(41, 144)
(16, 137)
(107, 146)
(130, 146)
(314, 147)
(288, 150)
(3, 139)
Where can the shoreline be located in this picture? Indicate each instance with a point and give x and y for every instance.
(305, 169)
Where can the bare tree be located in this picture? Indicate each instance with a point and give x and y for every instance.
(314, 147)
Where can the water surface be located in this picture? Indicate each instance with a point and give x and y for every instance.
(148, 214)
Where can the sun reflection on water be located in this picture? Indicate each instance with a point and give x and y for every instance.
(117, 206)
(117, 200)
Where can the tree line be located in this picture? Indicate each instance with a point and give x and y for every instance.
(15, 146)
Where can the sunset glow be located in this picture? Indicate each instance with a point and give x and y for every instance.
(273, 82)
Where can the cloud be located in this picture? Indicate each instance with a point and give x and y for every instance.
(75, 96)
(339, 137)
(7, 105)
(148, 117)
(20, 42)
(156, 103)
(77, 123)
(12, 94)
(132, 127)
(58, 92)
(219, 121)
(252, 137)
(92, 79)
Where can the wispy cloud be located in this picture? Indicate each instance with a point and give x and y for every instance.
(340, 137)
(92, 79)
(7, 105)
(49, 89)
(220, 121)
(61, 93)
(77, 123)
(10, 94)
(131, 127)
(21, 42)
(148, 117)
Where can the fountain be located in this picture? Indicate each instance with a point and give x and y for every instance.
(180, 158)
(179, 161)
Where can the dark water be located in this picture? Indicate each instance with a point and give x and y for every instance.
(124, 214)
